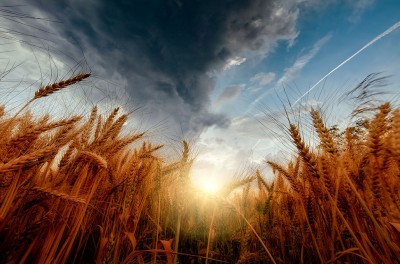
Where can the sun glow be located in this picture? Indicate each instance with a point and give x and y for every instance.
(208, 186)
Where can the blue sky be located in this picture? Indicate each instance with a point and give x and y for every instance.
(326, 37)
(207, 71)
(343, 31)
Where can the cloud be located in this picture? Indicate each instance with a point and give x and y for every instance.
(254, 89)
(263, 78)
(356, 7)
(230, 92)
(230, 147)
(234, 62)
(162, 49)
(359, 7)
(251, 126)
(292, 72)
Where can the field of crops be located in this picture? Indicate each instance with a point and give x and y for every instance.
(77, 190)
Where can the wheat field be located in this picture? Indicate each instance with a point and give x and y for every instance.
(78, 190)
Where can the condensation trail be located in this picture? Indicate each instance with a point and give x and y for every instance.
(386, 32)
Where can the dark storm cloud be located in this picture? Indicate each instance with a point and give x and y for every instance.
(166, 49)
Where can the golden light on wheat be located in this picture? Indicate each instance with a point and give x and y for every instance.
(208, 186)
(82, 190)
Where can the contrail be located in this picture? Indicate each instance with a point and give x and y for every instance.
(386, 32)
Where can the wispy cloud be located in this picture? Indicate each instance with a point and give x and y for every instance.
(383, 34)
(292, 72)
(359, 7)
(263, 78)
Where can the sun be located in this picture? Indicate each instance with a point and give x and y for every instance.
(206, 182)
(207, 185)
(210, 187)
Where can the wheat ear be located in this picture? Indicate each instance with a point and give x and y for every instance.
(396, 134)
(28, 159)
(51, 88)
(293, 183)
(38, 130)
(2, 111)
(304, 151)
(323, 133)
(54, 193)
(97, 159)
(47, 90)
(87, 130)
(377, 129)
(110, 119)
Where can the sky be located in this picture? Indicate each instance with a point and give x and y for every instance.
(207, 71)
